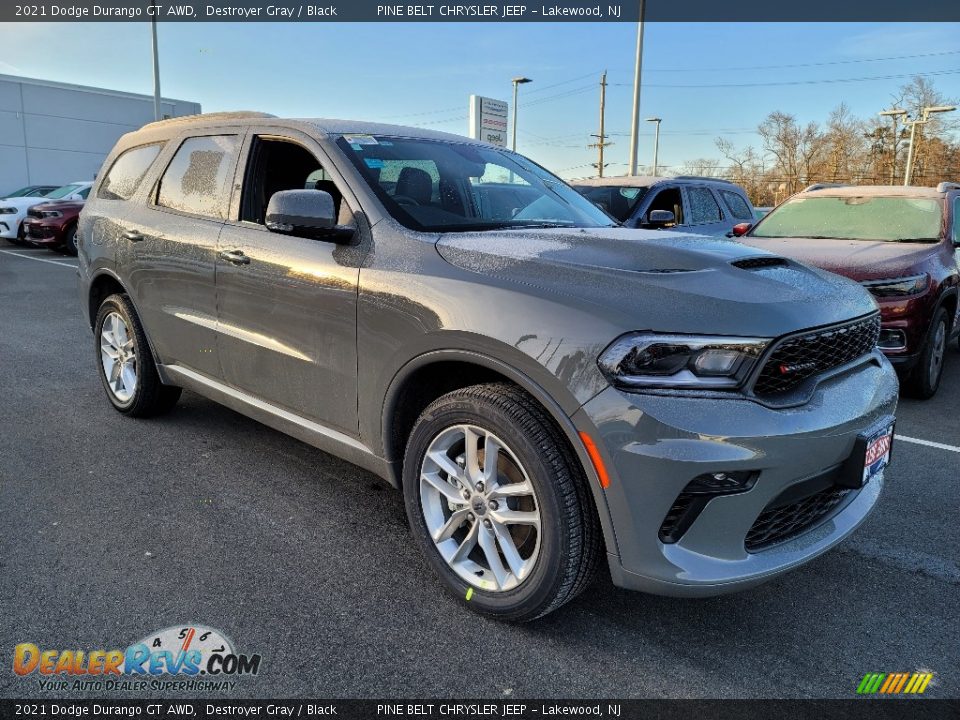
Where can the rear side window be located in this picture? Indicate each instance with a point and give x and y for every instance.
(127, 171)
(197, 179)
(703, 206)
(738, 206)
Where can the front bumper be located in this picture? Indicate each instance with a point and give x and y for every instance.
(8, 227)
(654, 445)
(42, 233)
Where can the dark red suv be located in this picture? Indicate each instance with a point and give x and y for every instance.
(53, 225)
(902, 244)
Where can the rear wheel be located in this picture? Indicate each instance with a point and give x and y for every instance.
(126, 365)
(499, 504)
(925, 378)
(70, 241)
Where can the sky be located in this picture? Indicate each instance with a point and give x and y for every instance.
(704, 79)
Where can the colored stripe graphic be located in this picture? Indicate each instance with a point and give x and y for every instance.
(894, 683)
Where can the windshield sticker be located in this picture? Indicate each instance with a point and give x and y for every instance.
(361, 139)
(374, 163)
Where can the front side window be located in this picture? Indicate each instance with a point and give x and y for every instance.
(703, 206)
(198, 177)
(127, 171)
(668, 199)
(439, 186)
(738, 206)
(890, 219)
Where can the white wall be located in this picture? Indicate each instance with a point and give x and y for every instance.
(52, 133)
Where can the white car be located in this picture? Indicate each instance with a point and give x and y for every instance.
(14, 209)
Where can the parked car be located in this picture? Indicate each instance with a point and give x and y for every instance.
(706, 206)
(53, 225)
(13, 211)
(900, 243)
(546, 388)
(30, 191)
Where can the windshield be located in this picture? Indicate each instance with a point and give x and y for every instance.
(63, 191)
(618, 201)
(28, 191)
(440, 186)
(890, 219)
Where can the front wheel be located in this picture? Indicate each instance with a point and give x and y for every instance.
(499, 504)
(126, 365)
(70, 241)
(925, 378)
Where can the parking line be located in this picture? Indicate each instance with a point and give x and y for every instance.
(928, 443)
(30, 257)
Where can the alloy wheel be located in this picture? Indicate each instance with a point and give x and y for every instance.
(480, 508)
(118, 356)
(937, 353)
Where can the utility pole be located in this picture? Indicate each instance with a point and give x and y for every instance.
(635, 123)
(602, 137)
(156, 72)
(894, 114)
(656, 143)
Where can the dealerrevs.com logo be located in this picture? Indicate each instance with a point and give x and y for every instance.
(180, 658)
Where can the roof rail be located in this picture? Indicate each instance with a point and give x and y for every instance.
(238, 115)
(823, 185)
(947, 186)
(701, 177)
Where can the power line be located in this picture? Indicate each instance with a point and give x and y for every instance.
(742, 68)
(801, 82)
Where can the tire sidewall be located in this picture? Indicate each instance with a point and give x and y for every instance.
(539, 587)
(926, 385)
(70, 244)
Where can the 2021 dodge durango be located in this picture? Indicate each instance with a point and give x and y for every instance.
(901, 243)
(546, 388)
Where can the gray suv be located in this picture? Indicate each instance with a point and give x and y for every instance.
(545, 387)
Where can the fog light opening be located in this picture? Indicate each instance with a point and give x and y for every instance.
(892, 340)
(721, 483)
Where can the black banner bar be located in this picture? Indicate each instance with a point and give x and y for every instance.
(738, 11)
(520, 709)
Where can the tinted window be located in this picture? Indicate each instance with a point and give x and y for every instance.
(738, 206)
(127, 171)
(197, 179)
(893, 219)
(956, 220)
(703, 207)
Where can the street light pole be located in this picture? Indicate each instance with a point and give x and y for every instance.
(635, 121)
(922, 120)
(156, 71)
(517, 81)
(656, 143)
(894, 114)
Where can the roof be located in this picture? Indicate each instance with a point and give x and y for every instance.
(876, 191)
(324, 126)
(644, 180)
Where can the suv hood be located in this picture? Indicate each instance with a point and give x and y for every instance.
(857, 259)
(670, 283)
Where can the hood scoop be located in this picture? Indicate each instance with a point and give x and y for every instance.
(760, 263)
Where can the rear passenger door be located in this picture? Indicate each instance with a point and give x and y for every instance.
(288, 305)
(703, 215)
(169, 246)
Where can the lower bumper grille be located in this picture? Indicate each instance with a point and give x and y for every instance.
(779, 522)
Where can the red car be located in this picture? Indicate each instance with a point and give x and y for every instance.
(53, 225)
(901, 243)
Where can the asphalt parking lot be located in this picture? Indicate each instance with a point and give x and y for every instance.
(112, 528)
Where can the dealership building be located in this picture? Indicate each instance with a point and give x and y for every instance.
(54, 133)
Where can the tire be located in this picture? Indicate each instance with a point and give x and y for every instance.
(70, 241)
(135, 389)
(553, 528)
(21, 238)
(925, 378)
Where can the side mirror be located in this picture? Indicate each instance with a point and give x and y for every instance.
(659, 219)
(740, 229)
(308, 213)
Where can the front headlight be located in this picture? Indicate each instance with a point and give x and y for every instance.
(653, 360)
(8, 211)
(898, 287)
(51, 213)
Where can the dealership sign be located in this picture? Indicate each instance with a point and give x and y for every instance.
(488, 120)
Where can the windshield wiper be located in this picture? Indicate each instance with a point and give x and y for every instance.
(916, 240)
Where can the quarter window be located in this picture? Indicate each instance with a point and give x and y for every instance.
(198, 178)
(738, 206)
(127, 171)
(703, 206)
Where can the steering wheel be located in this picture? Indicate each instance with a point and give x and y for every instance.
(405, 200)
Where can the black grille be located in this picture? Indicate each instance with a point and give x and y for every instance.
(778, 524)
(677, 521)
(755, 263)
(797, 358)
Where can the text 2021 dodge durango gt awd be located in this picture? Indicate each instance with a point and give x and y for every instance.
(542, 385)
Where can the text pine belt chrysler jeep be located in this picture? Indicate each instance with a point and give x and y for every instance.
(543, 385)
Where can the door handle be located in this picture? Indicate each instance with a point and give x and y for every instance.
(235, 256)
(133, 236)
